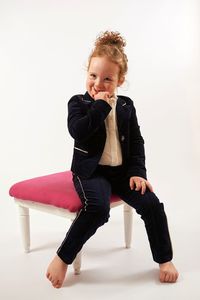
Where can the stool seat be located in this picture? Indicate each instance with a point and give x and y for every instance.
(55, 189)
(56, 194)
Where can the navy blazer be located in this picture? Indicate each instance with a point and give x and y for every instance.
(86, 125)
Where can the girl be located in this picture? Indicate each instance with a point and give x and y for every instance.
(109, 157)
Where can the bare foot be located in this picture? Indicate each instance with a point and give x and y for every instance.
(168, 272)
(56, 272)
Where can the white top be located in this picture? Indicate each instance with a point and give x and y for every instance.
(112, 154)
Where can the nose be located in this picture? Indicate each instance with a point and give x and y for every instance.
(98, 85)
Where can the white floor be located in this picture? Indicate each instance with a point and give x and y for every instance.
(109, 271)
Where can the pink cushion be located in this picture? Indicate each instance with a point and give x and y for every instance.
(54, 189)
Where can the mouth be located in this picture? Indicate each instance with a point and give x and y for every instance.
(96, 92)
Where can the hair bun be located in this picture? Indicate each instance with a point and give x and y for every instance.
(110, 38)
(111, 44)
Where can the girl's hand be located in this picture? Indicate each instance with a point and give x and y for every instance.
(103, 96)
(139, 183)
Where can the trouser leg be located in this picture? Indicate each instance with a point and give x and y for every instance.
(151, 211)
(155, 220)
(158, 234)
(94, 194)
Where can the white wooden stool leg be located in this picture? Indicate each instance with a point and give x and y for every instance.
(25, 227)
(77, 264)
(128, 221)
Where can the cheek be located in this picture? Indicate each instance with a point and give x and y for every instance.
(112, 87)
(88, 84)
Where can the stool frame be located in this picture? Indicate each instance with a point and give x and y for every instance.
(24, 207)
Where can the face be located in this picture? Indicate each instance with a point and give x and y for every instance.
(102, 76)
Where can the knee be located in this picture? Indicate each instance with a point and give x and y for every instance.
(99, 212)
(149, 202)
(102, 214)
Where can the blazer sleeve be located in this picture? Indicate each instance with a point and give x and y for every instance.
(83, 122)
(137, 151)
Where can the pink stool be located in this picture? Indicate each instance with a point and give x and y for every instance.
(55, 194)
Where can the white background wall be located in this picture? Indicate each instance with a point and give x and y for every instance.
(44, 46)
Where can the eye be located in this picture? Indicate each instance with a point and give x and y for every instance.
(93, 76)
(108, 79)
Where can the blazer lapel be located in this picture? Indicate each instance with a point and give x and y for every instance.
(122, 112)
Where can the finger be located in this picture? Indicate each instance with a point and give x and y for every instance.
(138, 185)
(143, 185)
(132, 183)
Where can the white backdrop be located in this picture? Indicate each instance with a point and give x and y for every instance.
(44, 47)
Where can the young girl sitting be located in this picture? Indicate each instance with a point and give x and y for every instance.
(108, 158)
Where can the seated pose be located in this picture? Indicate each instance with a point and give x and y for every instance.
(108, 158)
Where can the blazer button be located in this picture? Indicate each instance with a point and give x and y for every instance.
(122, 138)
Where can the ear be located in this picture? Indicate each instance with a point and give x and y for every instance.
(121, 81)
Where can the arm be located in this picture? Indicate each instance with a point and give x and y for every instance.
(137, 151)
(137, 170)
(82, 121)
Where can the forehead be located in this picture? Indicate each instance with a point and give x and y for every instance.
(103, 65)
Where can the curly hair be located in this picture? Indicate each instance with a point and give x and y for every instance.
(111, 44)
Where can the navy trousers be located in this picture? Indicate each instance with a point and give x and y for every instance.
(95, 195)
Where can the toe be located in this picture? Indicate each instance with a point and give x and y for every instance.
(162, 276)
(173, 278)
(53, 281)
(167, 278)
(57, 284)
